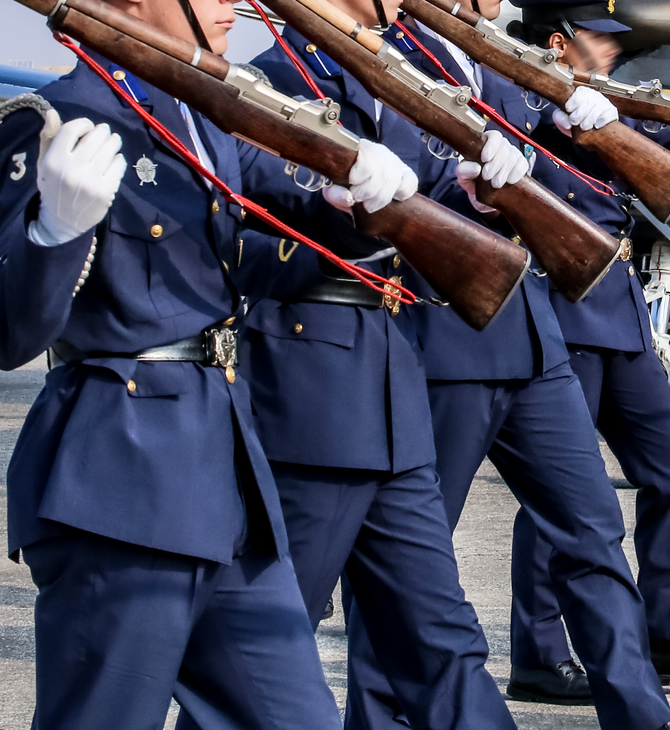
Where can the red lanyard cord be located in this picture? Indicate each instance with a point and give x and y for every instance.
(285, 47)
(363, 275)
(490, 112)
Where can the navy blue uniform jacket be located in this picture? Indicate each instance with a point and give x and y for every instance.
(347, 390)
(152, 466)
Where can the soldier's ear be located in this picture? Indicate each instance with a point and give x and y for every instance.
(559, 42)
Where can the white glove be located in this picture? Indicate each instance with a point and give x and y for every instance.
(503, 164)
(79, 172)
(377, 177)
(586, 109)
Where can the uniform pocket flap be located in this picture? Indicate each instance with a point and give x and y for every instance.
(138, 217)
(145, 379)
(330, 323)
(520, 115)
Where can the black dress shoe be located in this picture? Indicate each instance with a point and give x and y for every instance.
(561, 684)
(329, 610)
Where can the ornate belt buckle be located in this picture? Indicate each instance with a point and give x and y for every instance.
(626, 249)
(221, 347)
(390, 301)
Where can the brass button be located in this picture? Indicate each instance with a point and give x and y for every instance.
(229, 321)
(396, 261)
(399, 35)
(529, 126)
(230, 374)
(131, 385)
(631, 271)
(516, 239)
(571, 196)
(486, 117)
(311, 48)
(215, 207)
(156, 231)
(243, 213)
(298, 328)
(119, 75)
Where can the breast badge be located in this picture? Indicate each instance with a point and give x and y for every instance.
(146, 171)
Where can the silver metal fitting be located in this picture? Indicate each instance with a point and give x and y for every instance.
(453, 99)
(537, 57)
(319, 116)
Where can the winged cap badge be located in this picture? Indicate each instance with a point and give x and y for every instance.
(146, 170)
(610, 6)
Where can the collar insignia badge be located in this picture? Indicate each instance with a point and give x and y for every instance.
(146, 171)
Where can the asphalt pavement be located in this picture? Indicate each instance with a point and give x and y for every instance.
(482, 542)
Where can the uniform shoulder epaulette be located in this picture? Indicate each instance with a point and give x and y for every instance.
(128, 83)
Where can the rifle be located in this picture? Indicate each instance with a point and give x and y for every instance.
(640, 163)
(573, 251)
(474, 269)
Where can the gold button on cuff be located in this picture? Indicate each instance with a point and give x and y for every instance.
(230, 374)
(156, 231)
(131, 385)
(631, 271)
(215, 207)
(571, 196)
(229, 321)
(486, 117)
(516, 239)
(399, 35)
(311, 48)
(529, 126)
(298, 328)
(396, 261)
(119, 75)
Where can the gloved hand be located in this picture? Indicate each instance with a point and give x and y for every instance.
(79, 172)
(503, 163)
(586, 109)
(377, 177)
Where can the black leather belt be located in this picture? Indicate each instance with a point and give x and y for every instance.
(347, 292)
(215, 346)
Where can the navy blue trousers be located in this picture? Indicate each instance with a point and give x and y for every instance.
(391, 533)
(540, 437)
(121, 629)
(629, 400)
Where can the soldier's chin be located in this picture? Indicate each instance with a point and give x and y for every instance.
(219, 44)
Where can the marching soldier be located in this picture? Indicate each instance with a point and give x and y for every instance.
(609, 341)
(343, 415)
(138, 492)
(509, 392)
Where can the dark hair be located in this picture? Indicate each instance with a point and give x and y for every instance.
(535, 34)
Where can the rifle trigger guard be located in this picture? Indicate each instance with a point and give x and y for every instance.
(313, 183)
(439, 151)
(539, 108)
(653, 127)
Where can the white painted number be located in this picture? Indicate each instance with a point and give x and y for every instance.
(20, 162)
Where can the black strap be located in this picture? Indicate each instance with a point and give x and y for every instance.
(195, 24)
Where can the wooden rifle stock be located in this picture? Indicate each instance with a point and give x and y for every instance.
(475, 270)
(640, 163)
(573, 251)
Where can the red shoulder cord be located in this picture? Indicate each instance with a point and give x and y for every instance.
(490, 112)
(363, 275)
